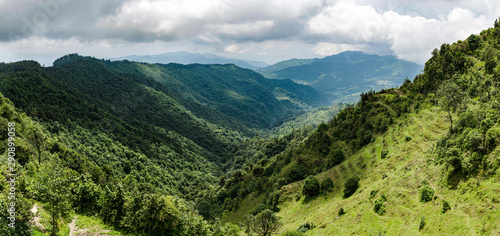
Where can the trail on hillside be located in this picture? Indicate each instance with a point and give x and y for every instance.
(36, 218)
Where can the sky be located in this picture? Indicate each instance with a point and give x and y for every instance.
(262, 30)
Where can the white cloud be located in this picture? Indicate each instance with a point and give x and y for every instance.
(257, 28)
(327, 49)
(411, 37)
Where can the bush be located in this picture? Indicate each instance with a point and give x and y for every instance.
(422, 223)
(379, 206)
(336, 158)
(291, 233)
(384, 153)
(446, 207)
(426, 193)
(373, 193)
(311, 187)
(326, 185)
(473, 140)
(296, 173)
(304, 227)
(341, 212)
(351, 185)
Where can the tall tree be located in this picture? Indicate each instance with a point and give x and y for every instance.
(450, 97)
(265, 223)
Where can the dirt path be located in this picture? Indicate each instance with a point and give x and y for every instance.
(36, 218)
(72, 227)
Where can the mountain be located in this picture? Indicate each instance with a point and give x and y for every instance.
(419, 159)
(130, 148)
(192, 58)
(240, 93)
(344, 76)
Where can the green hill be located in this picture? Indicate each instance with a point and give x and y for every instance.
(140, 149)
(416, 175)
(344, 76)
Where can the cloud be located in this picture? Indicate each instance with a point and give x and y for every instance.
(410, 37)
(408, 29)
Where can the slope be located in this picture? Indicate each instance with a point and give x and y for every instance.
(344, 76)
(239, 93)
(423, 167)
(120, 142)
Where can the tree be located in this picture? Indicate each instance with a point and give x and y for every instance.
(451, 97)
(351, 185)
(265, 223)
(326, 184)
(52, 184)
(311, 187)
(38, 138)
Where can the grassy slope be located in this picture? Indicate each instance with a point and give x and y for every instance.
(474, 210)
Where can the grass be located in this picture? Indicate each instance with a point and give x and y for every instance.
(84, 225)
(475, 208)
(245, 206)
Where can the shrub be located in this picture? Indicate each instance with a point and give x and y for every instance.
(311, 187)
(296, 173)
(291, 233)
(341, 212)
(379, 206)
(373, 193)
(384, 153)
(336, 158)
(426, 193)
(351, 185)
(326, 185)
(304, 227)
(473, 140)
(422, 223)
(407, 138)
(446, 207)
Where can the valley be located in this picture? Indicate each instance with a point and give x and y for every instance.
(133, 148)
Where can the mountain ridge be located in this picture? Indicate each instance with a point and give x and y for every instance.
(183, 57)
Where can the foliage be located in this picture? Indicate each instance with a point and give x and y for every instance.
(336, 158)
(291, 233)
(446, 207)
(341, 212)
(304, 227)
(326, 184)
(422, 223)
(379, 206)
(351, 185)
(264, 223)
(52, 184)
(451, 97)
(296, 173)
(311, 187)
(426, 193)
(384, 153)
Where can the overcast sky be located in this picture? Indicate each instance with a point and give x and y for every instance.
(264, 30)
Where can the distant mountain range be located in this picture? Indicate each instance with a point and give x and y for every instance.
(191, 58)
(344, 76)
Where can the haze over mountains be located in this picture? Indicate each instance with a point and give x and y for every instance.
(344, 76)
(183, 57)
(339, 78)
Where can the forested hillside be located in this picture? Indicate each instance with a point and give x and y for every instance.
(129, 148)
(342, 77)
(114, 136)
(419, 159)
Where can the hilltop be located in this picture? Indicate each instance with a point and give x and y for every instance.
(344, 76)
